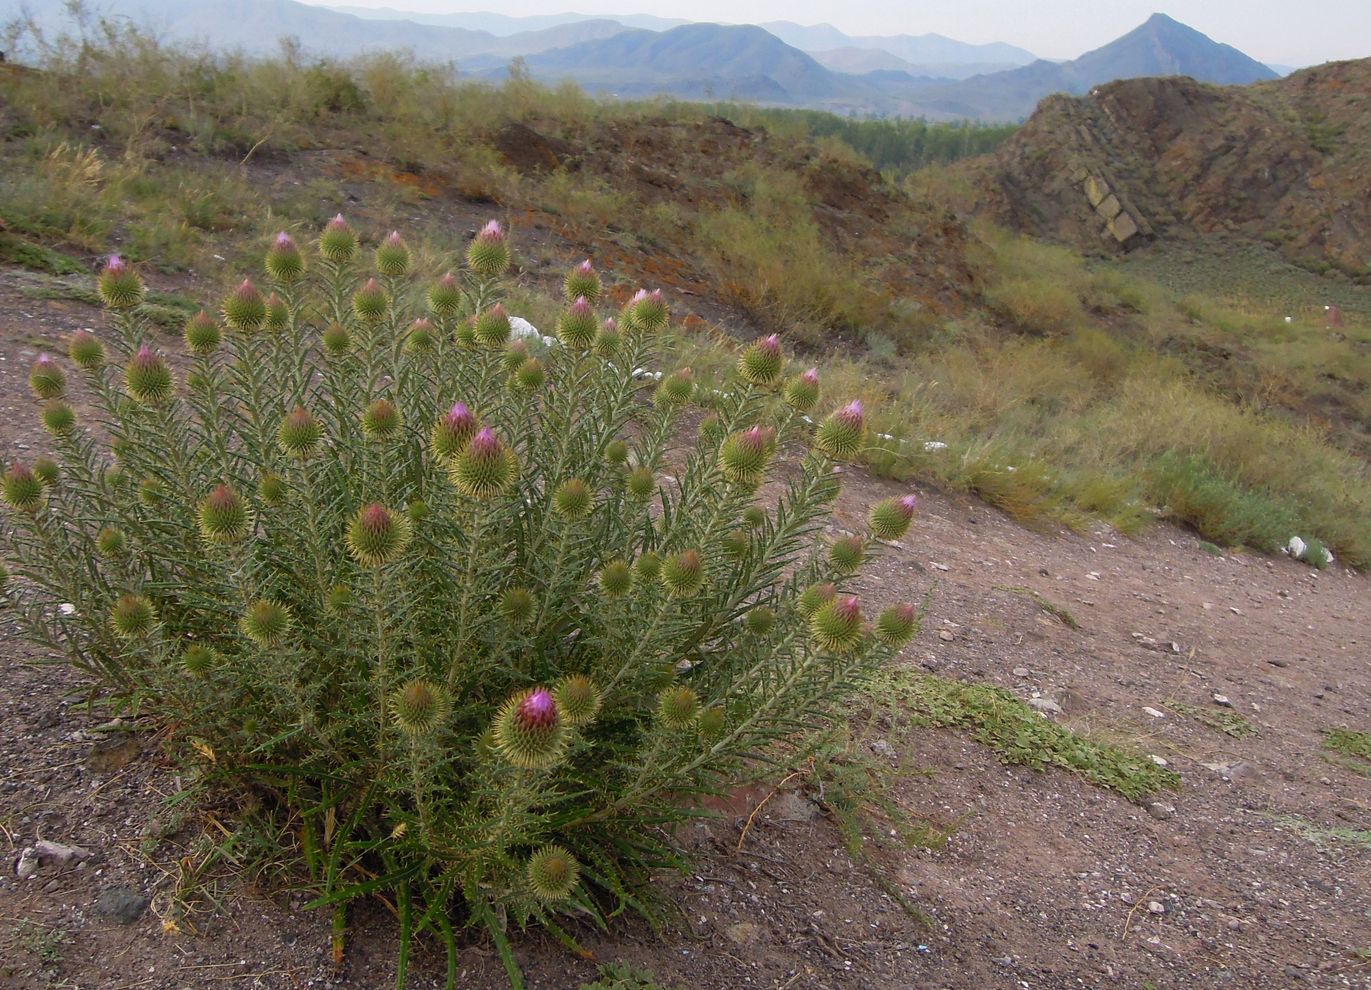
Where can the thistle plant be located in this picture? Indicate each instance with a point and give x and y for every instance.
(428, 593)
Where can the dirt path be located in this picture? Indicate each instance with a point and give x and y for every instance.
(1256, 874)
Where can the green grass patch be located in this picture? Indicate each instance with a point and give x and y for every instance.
(1230, 723)
(1218, 506)
(169, 310)
(1322, 835)
(1351, 749)
(1056, 611)
(17, 251)
(622, 976)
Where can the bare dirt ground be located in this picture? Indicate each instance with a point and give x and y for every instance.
(1256, 874)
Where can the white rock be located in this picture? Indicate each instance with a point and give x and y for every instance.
(1154, 713)
(1296, 547)
(1222, 701)
(1157, 760)
(1045, 705)
(932, 446)
(67, 608)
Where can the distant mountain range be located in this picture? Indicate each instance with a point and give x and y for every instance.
(778, 63)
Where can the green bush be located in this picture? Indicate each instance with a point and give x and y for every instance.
(426, 595)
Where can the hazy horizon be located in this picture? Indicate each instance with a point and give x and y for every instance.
(1281, 33)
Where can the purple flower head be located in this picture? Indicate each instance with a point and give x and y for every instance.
(460, 417)
(585, 268)
(337, 223)
(611, 326)
(448, 281)
(284, 242)
(538, 710)
(908, 504)
(770, 345)
(810, 377)
(492, 231)
(639, 296)
(581, 309)
(44, 362)
(115, 265)
(853, 414)
(848, 609)
(485, 443)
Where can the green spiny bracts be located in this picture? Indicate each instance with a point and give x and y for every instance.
(713, 721)
(338, 600)
(299, 433)
(802, 391)
(277, 317)
(814, 598)
(110, 542)
(577, 326)
(132, 617)
(225, 517)
(897, 625)
(486, 468)
(843, 433)
(420, 708)
(683, 574)
(370, 302)
(86, 351)
(202, 335)
(578, 699)
(573, 499)
(272, 489)
(492, 327)
(266, 623)
(678, 707)
(47, 472)
(148, 379)
(418, 510)
(759, 620)
(890, 518)
(518, 606)
(337, 340)
(762, 361)
(381, 420)
(58, 418)
(641, 483)
(445, 297)
(338, 242)
(649, 310)
(552, 874)
(648, 567)
(837, 626)
(609, 340)
(284, 263)
(199, 659)
(530, 377)
(47, 380)
(516, 353)
(711, 431)
(529, 731)
(736, 543)
(453, 432)
(488, 255)
(745, 455)
(22, 489)
(244, 309)
(846, 554)
(616, 578)
(675, 389)
(464, 333)
(151, 492)
(616, 453)
(378, 536)
(754, 516)
(420, 339)
(392, 256)
(120, 287)
(582, 282)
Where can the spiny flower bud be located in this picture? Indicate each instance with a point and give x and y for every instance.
(59, 419)
(837, 626)
(225, 517)
(418, 510)
(616, 578)
(202, 335)
(760, 620)
(648, 567)
(284, 262)
(516, 353)
(420, 339)
(377, 536)
(453, 432)
(110, 542)
(148, 378)
(649, 310)
(641, 483)
(339, 599)
(272, 489)
(529, 730)
(199, 659)
(381, 420)
(616, 452)
(277, 316)
(897, 625)
(370, 302)
(802, 391)
(684, 573)
(464, 333)
(338, 242)
(890, 518)
(754, 516)
(392, 257)
(678, 707)
(841, 435)
(488, 255)
(814, 598)
(518, 606)
(266, 623)
(736, 544)
(676, 389)
(578, 699)
(492, 327)
(445, 297)
(245, 310)
(745, 455)
(299, 433)
(486, 468)
(576, 327)
(151, 492)
(46, 378)
(86, 351)
(133, 617)
(573, 499)
(420, 707)
(608, 340)
(337, 340)
(762, 361)
(529, 377)
(711, 431)
(552, 874)
(47, 472)
(846, 554)
(713, 721)
(120, 287)
(582, 282)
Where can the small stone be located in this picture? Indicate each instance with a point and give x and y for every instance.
(938, 567)
(28, 863)
(1222, 701)
(57, 854)
(1160, 810)
(1045, 705)
(793, 806)
(1157, 760)
(1156, 907)
(946, 635)
(1235, 610)
(743, 933)
(1154, 713)
(121, 905)
(1021, 672)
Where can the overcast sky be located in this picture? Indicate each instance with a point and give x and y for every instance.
(1287, 32)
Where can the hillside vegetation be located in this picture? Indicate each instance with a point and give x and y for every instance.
(1061, 390)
